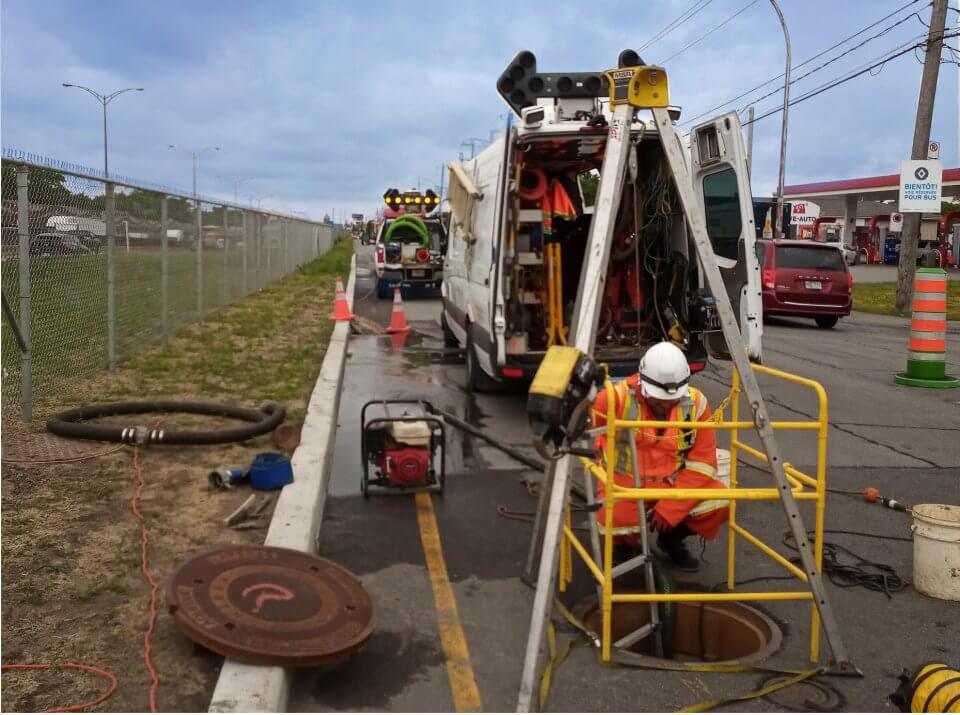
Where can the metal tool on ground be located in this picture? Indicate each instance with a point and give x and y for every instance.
(406, 452)
(926, 361)
(227, 478)
(270, 470)
(632, 88)
(341, 309)
(271, 606)
(398, 321)
(454, 421)
(872, 495)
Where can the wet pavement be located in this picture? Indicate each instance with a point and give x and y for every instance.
(910, 451)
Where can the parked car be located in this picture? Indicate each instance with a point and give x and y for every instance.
(805, 279)
(57, 244)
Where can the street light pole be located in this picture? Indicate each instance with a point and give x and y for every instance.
(783, 127)
(104, 100)
(237, 180)
(195, 153)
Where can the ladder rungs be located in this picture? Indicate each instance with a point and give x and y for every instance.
(631, 638)
(628, 565)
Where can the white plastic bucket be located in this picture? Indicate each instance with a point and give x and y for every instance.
(936, 550)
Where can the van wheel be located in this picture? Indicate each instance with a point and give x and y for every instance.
(826, 321)
(449, 339)
(477, 379)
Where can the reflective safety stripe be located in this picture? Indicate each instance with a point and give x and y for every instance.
(928, 335)
(931, 295)
(705, 507)
(931, 357)
(618, 530)
(921, 315)
(701, 468)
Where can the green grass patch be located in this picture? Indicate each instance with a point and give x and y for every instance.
(881, 298)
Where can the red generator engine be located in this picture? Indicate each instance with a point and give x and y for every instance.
(403, 447)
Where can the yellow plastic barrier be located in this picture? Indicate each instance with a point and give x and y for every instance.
(803, 487)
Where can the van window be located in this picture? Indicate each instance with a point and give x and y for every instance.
(810, 258)
(721, 205)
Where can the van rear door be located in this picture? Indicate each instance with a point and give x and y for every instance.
(721, 182)
(499, 283)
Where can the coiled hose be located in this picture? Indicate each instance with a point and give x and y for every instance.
(410, 223)
(73, 423)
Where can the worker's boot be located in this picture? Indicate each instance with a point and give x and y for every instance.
(671, 544)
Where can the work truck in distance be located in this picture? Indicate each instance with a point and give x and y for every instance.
(410, 243)
(520, 217)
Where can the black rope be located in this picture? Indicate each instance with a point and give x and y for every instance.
(847, 569)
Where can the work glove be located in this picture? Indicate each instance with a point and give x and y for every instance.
(658, 523)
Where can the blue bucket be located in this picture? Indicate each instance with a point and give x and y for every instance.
(270, 470)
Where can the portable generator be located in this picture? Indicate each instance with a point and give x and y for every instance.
(403, 447)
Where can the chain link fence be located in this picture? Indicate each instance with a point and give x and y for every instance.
(93, 270)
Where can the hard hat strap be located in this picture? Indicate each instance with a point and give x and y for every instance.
(668, 386)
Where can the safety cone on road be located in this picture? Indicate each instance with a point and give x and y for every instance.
(927, 359)
(341, 311)
(398, 321)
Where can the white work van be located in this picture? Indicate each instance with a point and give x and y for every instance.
(512, 269)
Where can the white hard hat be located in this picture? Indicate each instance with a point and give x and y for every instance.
(664, 372)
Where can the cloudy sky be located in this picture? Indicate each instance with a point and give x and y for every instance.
(327, 103)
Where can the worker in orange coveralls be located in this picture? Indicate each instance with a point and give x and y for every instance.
(667, 457)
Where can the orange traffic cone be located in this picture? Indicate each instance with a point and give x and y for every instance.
(398, 321)
(341, 311)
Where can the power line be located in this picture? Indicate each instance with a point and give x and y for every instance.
(842, 79)
(837, 57)
(805, 62)
(707, 34)
(679, 20)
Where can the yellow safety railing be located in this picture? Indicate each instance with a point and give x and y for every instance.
(803, 488)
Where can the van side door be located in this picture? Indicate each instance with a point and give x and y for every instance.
(721, 182)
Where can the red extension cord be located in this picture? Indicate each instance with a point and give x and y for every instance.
(151, 623)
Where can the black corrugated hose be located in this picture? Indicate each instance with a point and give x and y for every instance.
(73, 423)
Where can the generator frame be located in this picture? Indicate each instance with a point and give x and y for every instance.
(438, 442)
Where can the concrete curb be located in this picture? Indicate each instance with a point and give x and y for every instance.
(296, 520)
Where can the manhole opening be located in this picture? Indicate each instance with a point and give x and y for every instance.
(708, 632)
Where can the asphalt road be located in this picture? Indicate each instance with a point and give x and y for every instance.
(904, 441)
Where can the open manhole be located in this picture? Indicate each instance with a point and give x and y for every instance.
(713, 632)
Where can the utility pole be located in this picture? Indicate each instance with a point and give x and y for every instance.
(910, 235)
(778, 233)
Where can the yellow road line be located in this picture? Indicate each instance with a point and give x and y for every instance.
(466, 696)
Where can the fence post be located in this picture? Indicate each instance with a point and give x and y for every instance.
(108, 219)
(164, 270)
(243, 256)
(286, 248)
(226, 255)
(199, 260)
(23, 232)
(269, 251)
(258, 271)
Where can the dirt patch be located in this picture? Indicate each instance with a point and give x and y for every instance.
(72, 586)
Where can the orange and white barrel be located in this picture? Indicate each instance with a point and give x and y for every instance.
(927, 357)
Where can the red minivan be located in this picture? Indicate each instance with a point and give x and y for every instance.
(805, 279)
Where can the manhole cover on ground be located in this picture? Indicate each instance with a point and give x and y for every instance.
(43, 447)
(270, 606)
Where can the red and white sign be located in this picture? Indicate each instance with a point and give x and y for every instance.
(896, 223)
(804, 213)
(933, 150)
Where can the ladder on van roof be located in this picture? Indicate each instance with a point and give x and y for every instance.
(626, 96)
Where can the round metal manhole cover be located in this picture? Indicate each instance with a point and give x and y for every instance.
(270, 606)
(47, 448)
(807, 696)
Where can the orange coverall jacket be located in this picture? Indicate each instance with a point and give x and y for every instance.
(673, 458)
